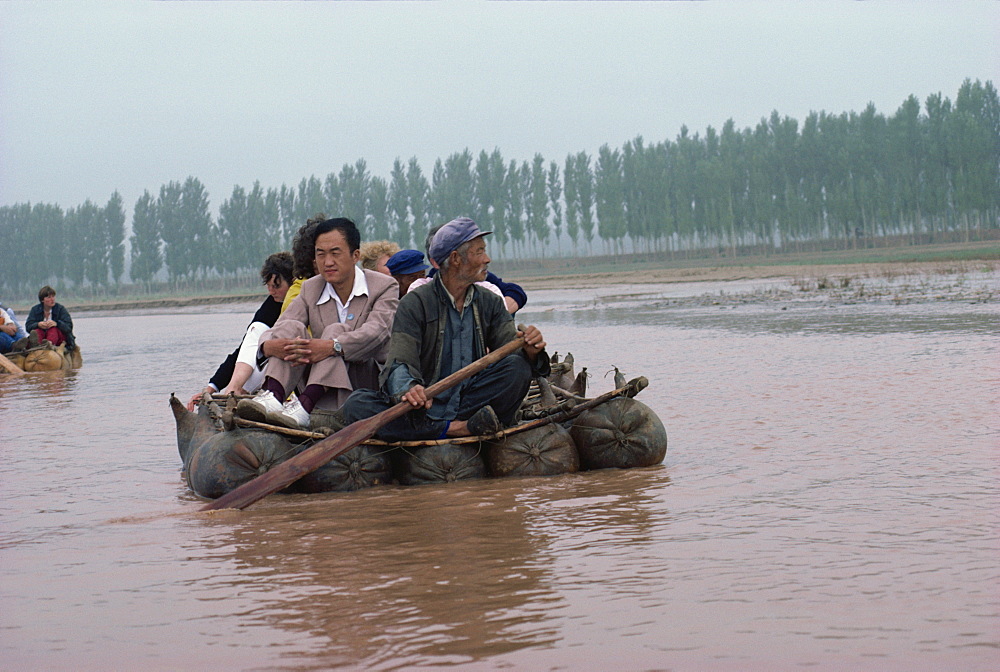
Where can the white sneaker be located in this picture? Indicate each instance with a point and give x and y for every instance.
(291, 415)
(258, 408)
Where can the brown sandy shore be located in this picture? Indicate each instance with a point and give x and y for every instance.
(926, 264)
(799, 273)
(844, 279)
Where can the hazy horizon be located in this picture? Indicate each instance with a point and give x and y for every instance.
(98, 97)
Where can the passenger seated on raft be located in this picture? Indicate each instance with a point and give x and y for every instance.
(375, 254)
(513, 295)
(441, 327)
(349, 312)
(11, 331)
(49, 321)
(405, 267)
(303, 257)
(240, 373)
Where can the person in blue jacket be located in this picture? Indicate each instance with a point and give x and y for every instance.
(50, 321)
(11, 330)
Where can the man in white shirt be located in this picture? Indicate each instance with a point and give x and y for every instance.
(348, 311)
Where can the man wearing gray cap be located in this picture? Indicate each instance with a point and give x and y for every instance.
(441, 327)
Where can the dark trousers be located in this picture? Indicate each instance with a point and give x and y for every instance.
(502, 386)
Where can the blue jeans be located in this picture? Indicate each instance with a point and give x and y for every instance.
(6, 341)
(502, 386)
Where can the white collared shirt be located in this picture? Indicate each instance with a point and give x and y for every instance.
(360, 289)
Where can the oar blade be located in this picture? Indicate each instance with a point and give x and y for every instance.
(10, 366)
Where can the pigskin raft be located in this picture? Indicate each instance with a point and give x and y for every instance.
(46, 357)
(560, 431)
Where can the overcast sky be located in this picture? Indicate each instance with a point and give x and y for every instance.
(127, 96)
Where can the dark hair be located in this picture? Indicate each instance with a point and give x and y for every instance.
(430, 239)
(304, 248)
(45, 291)
(278, 264)
(345, 226)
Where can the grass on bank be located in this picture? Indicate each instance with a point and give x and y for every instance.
(165, 295)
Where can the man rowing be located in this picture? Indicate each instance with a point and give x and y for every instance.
(441, 327)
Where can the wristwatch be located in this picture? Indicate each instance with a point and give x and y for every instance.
(338, 349)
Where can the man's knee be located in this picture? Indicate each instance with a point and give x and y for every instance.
(288, 329)
(363, 404)
(517, 369)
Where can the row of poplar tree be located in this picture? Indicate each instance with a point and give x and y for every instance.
(845, 177)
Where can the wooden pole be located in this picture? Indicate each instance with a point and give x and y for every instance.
(278, 429)
(11, 366)
(345, 439)
(629, 389)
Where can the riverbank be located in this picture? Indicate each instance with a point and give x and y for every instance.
(845, 273)
(821, 274)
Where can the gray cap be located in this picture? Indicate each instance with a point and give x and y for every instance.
(452, 235)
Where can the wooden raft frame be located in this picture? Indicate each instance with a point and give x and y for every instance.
(630, 389)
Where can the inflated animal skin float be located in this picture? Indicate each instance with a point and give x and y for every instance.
(46, 357)
(560, 431)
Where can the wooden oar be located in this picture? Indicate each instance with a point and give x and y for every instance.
(342, 441)
(11, 366)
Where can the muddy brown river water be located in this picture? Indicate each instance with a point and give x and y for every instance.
(829, 500)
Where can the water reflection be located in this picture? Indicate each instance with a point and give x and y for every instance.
(395, 577)
(52, 386)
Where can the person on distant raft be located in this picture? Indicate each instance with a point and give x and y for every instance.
(440, 327)
(239, 373)
(50, 321)
(406, 266)
(349, 311)
(514, 296)
(11, 331)
(375, 254)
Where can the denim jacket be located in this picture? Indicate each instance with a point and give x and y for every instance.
(418, 334)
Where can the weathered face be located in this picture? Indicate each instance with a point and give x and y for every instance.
(474, 266)
(49, 301)
(334, 259)
(277, 288)
(380, 264)
(406, 280)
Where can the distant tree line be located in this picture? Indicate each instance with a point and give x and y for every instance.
(846, 177)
